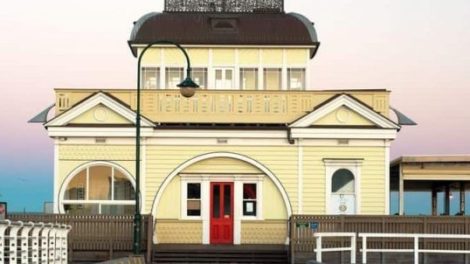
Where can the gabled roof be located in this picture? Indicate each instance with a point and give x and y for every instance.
(98, 99)
(373, 118)
(191, 28)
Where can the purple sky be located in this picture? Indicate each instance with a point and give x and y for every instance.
(417, 49)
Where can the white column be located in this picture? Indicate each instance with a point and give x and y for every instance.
(300, 176)
(237, 204)
(210, 71)
(387, 178)
(284, 70)
(205, 210)
(236, 70)
(162, 69)
(260, 70)
(56, 176)
(401, 191)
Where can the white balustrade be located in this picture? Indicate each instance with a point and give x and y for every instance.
(415, 250)
(33, 242)
(319, 249)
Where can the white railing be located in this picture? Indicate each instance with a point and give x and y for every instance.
(33, 242)
(319, 249)
(415, 250)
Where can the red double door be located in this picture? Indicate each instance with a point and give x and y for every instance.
(221, 223)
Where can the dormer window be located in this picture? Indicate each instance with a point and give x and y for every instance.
(224, 25)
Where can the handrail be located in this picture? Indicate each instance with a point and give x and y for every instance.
(49, 239)
(415, 250)
(319, 249)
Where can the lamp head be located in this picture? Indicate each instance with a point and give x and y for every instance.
(188, 87)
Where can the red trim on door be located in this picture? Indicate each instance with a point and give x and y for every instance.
(221, 213)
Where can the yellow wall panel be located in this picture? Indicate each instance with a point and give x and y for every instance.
(223, 57)
(297, 57)
(264, 232)
(272, 57)
(248, 57)
(170, 203)
(152, 57)
(198, 57)
(174, 57)
(178, 232)
(272, 201)
(100, 114)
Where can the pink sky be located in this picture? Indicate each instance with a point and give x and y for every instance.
(417, 49)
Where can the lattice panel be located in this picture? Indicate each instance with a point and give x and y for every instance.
(178, 232)
(264, 232)
(230, 6)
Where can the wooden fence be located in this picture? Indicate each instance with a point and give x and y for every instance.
(302, 228)
(97, 237)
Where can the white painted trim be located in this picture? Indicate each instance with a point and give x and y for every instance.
(162, 69)
(300, 176)
(86, 166)
(308, 73)
(260, 70)
(387, 178)
(237, 211)
(281, 141)
(99, 98)
(348, 101)
(210, 70)
(343, 133)
(284, 84)
(331, 166)
(236, 71)
(205, 211)
(196, 159)
(94, 132)
(56, 177)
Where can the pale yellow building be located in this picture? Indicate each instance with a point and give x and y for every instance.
(251, 148)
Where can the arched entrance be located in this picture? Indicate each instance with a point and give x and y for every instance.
(222, 197)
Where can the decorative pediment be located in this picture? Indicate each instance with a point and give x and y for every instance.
(98, 109)
(344, 111)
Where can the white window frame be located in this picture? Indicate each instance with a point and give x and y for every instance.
(158, 76)
(333, 165)
(184, 200)
(73, 174)
(288, 77)
(270, 68)
(259, 201)
(224, 68)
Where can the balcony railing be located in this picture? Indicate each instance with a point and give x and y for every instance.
(225, 6)
(229, 106)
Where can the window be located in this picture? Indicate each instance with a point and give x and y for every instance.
(296, 79)
(249, 78)
(193, 202)
(150, 78)
(342, 182)
(174, 76)
(99, 189)
(272, 79)
(249, 199)
(199, 76)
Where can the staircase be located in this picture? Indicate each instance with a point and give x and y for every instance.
(220, 254)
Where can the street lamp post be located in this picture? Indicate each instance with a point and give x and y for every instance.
(187, 89)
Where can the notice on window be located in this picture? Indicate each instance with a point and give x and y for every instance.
(249, 208)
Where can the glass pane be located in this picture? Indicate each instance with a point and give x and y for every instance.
(227, 201)
(150, 78)
(81, 209)
(249, 79)
(123, 189)
(100, 183)
(342, 182)
(117, 209)
(249, 191)
(218, 74)
(216, 201)
(76, 188)
(272, 79)
(228, 74)
(174, 76)
(296, 79)
(199, 76)
(194, 191)
(194, 208)
(249, 208)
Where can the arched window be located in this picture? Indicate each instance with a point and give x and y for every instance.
(342, 182)
(99, 189)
